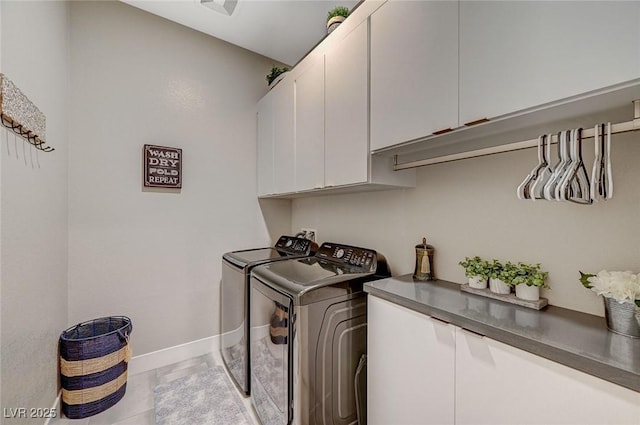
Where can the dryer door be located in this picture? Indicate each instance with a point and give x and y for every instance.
(271, 334)
(233, 324)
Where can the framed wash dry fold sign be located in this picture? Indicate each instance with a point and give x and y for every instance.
(162, 166)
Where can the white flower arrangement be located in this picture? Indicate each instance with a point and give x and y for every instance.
(621, 286)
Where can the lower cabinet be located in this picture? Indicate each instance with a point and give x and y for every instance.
(410, 367)
(500, 384)
(423, 371)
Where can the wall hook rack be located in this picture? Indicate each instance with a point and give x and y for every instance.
(21, 116)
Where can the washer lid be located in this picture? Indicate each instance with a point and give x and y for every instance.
(252, 257)
(306, 275)
(286, 247)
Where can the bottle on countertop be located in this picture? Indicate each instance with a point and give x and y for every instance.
(424, 261)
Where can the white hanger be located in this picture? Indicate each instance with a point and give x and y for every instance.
(609, 174)
(537, 190)
(598, 163)
(549, 187)
(565, 166)
(524, 189)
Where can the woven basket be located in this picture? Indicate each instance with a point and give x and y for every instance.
(93, 365)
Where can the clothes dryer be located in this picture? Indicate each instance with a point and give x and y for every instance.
(234, 300)
(309, 335)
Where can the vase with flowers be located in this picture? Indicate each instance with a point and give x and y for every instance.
(621, 295)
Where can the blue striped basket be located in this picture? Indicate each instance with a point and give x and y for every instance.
(93, 365)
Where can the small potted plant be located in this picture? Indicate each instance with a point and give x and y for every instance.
(275, 75)
(477, 270)
(335, 17)
(528, 280)
(500, 276)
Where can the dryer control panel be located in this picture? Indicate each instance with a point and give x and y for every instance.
(351, 255)
(295, 245)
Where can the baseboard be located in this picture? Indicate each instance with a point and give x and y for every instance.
(55, 408)
(178, 353)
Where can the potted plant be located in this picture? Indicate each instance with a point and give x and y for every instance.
(477, 270)
(528, 280)
(275, 75)
(500, 276)
(621, 292)
(335, 17)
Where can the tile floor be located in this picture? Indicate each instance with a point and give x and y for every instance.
(137, 405)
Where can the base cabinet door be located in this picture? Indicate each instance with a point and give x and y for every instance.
(410, 367)
(500, 384)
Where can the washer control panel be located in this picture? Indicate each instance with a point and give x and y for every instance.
(292, 244)
(345, 254)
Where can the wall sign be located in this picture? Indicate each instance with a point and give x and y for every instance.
(162, 166)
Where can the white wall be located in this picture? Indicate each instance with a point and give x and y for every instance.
(139, 79)
(469, 208)
(33, 239)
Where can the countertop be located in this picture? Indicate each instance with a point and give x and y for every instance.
(574, 339)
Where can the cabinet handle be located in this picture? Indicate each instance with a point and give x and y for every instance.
(473, 333)
(435, 319)
(476, 122)
(444, 130)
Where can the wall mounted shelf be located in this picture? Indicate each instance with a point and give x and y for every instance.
(497, 135)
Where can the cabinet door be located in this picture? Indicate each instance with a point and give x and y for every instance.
(500, 384)
(414, 70)
(309, 91)
(514, 55)
(346, 109)
(283, 137)
(264, 151)
(410, 367)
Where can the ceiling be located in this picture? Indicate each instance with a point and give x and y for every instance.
(283, 30)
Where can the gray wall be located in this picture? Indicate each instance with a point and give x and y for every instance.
(469, 208)
(33, 238)
(139, 79)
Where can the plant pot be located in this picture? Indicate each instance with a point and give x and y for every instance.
(334, 22)
(499, 287)
(526, 292)
(622, 318)
(277, 79)
(477, 282)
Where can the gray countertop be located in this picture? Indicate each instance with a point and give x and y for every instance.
(575, 339)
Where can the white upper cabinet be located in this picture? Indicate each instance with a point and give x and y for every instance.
(346, 109)
(519, 54)
(414, 70)
(284, 171)
(309, 105)
(264, 152)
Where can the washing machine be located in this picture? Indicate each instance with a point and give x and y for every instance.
(234, 300)
(309, 334)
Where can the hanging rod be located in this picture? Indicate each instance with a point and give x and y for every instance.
(623, 127)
